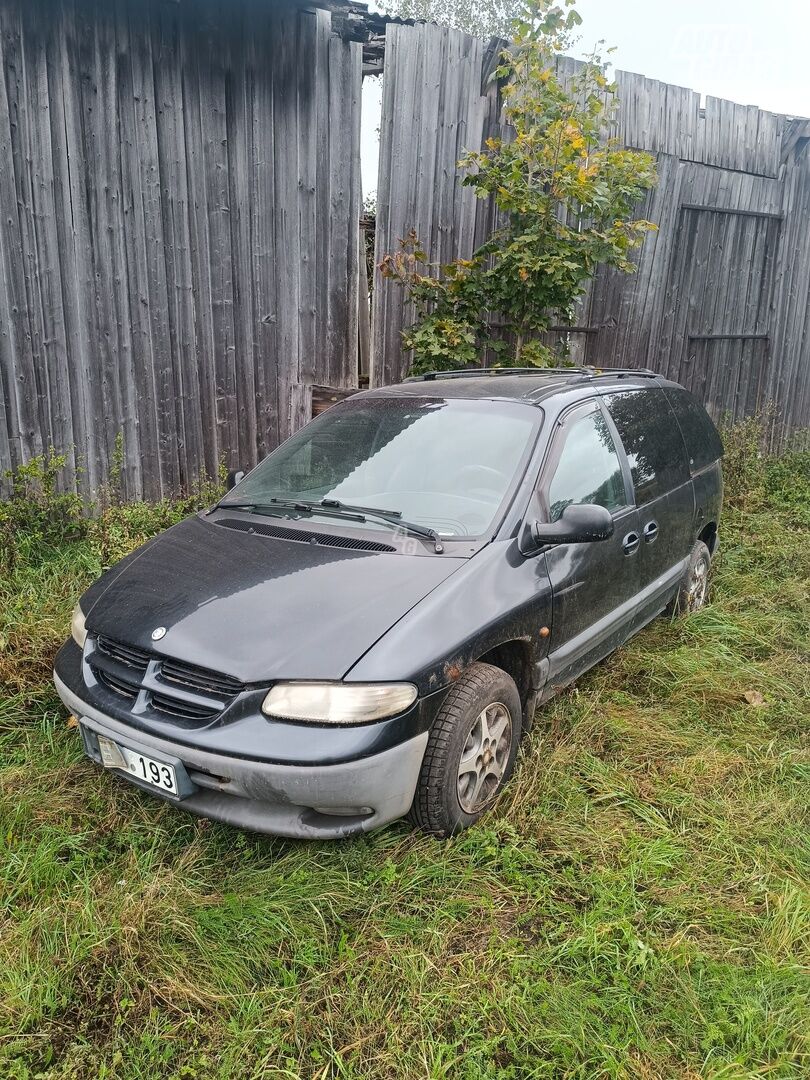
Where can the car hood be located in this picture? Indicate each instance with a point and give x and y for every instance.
(255, 606)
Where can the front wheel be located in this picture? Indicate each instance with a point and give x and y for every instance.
(470, 752)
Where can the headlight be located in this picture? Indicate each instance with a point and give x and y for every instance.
(77, 627)
(338, 703)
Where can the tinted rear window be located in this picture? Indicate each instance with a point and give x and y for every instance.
(652, 439)
(703, 443)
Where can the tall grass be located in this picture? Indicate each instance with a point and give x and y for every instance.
(635, 906)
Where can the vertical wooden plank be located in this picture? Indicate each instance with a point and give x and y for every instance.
(215, 47)
(14, 421)
(27, 426)
(788, 383)
(351, 93)
(329, 201)
(47, 276)
(146, 184)
(168, 56)
(96, 53)
(194, 50)
(110, 250)
(141, 446)
(306, 131)
(24, 144)
(364, 314)
(239, 128)
(396, 143)
(262, 63)
(384, 204)
(343, 280)
(69, 232)
(77, 253)
(286, 223)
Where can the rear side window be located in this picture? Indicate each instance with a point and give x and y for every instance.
(588, 470)
(652, 440)
(703, 443)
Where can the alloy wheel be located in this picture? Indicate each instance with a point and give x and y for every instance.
(484, 757)
(698, 586)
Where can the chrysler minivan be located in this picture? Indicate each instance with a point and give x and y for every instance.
(365, 625)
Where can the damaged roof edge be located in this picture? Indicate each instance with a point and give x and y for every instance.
(354, 22)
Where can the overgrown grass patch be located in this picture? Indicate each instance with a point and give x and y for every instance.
(636, 906)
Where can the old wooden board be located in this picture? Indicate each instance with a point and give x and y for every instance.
(180, 196)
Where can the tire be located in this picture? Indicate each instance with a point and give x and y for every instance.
(693, 589)
(472, 714)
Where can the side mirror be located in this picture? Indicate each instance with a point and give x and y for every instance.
(235, 476)
(579, 523)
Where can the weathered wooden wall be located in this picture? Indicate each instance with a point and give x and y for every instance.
(179, 199)
(720, 301)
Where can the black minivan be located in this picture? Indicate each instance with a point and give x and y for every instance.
(365, 625)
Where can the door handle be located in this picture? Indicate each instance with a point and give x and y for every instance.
(631, 543)
(651, 531)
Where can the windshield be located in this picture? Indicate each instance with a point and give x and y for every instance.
(442, 464)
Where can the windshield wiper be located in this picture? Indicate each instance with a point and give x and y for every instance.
(338, 505)
(286, 504)
(393, 517)
(337, 509)
(303, 506)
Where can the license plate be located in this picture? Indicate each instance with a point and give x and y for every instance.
(155, 773)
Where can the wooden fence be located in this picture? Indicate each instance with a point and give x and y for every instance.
(179, 241)
(720, 301)
(179, 198)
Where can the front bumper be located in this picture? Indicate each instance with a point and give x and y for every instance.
(303, 801)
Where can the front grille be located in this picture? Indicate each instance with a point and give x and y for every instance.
(164, 685)
(126, 654)
(186, 709)
(304, 536)
(120, 687)
(199, 678)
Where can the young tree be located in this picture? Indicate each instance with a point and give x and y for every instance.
(567, 193)
(481, 18)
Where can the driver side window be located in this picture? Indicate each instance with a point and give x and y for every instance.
(589, 470)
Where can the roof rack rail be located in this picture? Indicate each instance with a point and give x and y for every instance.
(476, 373)
(578, 372)
(639, 373)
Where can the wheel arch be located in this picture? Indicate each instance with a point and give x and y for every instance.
(708, 534)
(515, 658)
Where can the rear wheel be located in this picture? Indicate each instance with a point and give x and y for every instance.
(694, 587)
(470, 752)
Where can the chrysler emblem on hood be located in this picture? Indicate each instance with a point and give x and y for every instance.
(158, 633)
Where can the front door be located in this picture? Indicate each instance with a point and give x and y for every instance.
(593, 585)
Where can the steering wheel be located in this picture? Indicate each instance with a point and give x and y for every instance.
(483, 478)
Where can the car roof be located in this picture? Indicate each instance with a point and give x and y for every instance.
(529, 385)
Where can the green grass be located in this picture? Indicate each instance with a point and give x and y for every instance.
(636, 906)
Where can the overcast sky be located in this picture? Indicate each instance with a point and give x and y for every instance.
(752, 52)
